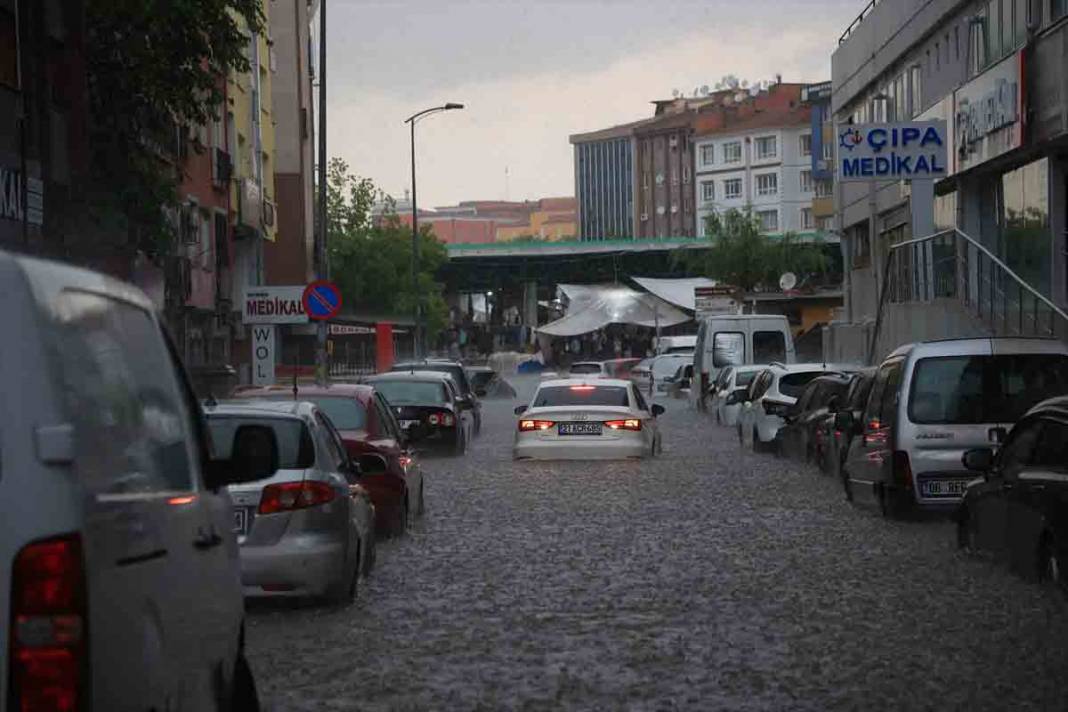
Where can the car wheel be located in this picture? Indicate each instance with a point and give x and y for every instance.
(371, 558)
(758, 444)
(422, 500)
(243, 695)
(847, 486)
(400, 518)
(1051, 564)
(343, 591)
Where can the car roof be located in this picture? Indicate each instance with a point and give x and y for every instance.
(292, 409)
(568, 382)
(1057, 404)
(351, 390)
(809, 367)
(408, 365)
(981, 345)
(420, 376)
(588, 363)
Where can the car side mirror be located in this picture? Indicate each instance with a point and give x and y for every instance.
(980, 459)
(371, 464)
(657, 409)
(844, 421)
(253, 456)
(519, 409)
(737, 396)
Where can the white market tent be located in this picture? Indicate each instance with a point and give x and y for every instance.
(593, 307)
(676, 291)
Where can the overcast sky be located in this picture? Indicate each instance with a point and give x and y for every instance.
(532, 72)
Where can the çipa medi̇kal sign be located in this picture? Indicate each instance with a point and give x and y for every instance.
(913, 150)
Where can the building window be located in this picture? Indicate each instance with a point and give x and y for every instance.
(767, 184)
(915, 95)
(828, 151)
(1057, 9)
(806, 219)
(9, 50)
(732, 152)
(806, 145)
(732, 188)
(708, 155)
(769, 220)
(825, 223)
(824, 188)
(766, 148)
(806, 181)
(708, 191)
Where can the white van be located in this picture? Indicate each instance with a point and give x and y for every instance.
(119, 576)
(737, 340)
(676, 344)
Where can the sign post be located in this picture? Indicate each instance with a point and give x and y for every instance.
(264, 307)
(714, 301)
(263, 355)
(322, 301)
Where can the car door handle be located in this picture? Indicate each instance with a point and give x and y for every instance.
(207, 540)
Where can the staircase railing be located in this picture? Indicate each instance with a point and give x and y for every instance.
(950, 264)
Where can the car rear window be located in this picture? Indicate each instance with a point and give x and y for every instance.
(411, 392)
(344, 413)
(481, 378)
(984, 389)
(295, 448)
(792, 384)
(581, 395)
(744, 379)
(586, 368)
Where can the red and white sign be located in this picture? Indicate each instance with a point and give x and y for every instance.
(274, 305)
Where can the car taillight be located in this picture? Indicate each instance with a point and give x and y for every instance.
(445, 419)
(535, 424)
(48, 631)
(876, 435)
(902, 469)
(628, 424)
(294, 495)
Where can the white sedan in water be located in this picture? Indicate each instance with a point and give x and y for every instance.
(587, 419)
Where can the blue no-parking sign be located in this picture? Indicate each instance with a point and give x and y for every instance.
(322, 300)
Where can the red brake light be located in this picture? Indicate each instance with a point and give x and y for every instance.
(432, 419)
(628, 424)
(582, 388)
(288, 496)
(47, 636)
(535, 424)
(446, 419)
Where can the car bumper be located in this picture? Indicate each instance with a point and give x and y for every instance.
(579, 450)
(302, 565)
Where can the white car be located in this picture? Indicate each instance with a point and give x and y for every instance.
(730, 379)
(770, 395)
(658, 369)
(588, 368)
(582, 419)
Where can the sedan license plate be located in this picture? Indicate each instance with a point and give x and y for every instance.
(405, 424)
(579, 429)
(242, 520)
(943, 488)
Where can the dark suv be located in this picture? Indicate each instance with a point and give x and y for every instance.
(468, 396)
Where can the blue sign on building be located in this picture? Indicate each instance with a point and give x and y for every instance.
(913, 150)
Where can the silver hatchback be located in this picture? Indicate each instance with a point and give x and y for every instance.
(308, 531)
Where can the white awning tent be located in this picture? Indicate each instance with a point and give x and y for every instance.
(676, 291)
(593, 307)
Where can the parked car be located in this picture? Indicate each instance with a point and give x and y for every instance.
(930, 402)
(487, 383)
(428, 407)
(588, 368)
(459, 375)
(769, 398)
(620, 367)
(832, 442)
(684, 344)
(118, 563)
(1018, 510)
(657, 371)
(310, 529)
(731, 379)
(367, 425)
(737, 340)
(799, 436)
(678, 384)
(598, 418)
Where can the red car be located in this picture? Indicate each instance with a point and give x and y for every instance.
(366, 424)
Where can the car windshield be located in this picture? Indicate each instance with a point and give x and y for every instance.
(984, 389)
(344, 413)
(404, 392)
(585, 368)
(295, 448)
(793, 384)
(581, 395)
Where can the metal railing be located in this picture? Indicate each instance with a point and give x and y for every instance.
(860, 18)
(952, 265)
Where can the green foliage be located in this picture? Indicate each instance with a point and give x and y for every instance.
(152, 66)
(371, 259)
(744, 257)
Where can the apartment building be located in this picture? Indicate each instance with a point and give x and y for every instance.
(605, 182)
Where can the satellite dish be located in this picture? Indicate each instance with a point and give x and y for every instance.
(787, 281)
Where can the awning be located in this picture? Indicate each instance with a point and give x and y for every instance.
(676, 291)
(593, 307)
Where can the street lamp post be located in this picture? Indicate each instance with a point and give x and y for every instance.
(417, 343)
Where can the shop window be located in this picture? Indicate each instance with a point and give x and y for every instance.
(1024, 240)
(860, 244)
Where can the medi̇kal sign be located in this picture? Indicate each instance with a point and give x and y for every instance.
(912, 150)
(274, 305)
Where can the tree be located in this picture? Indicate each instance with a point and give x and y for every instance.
(744, 257)
(370, 259)
(152, 67)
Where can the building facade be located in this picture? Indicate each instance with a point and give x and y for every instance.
(664, 157)
(994, 71)
(605, 182)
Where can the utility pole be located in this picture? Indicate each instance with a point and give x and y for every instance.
(322, 268)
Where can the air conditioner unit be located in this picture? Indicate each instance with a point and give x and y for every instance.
(673, 141)
(645, 216)
(268, 213)
(674, 208)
